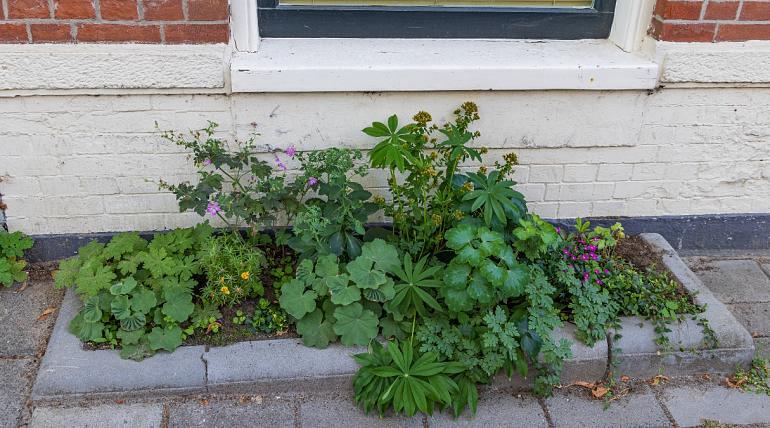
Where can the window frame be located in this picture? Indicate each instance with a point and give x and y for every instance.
(419, 22)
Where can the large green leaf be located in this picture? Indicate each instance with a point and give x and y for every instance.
(165, 338)
(315, 331)
(124, 243)
(383, 255)
(94, 277)
(295, 300)
(327, 265)
(143, 300)
(480, 289)
(123, 287)
(84, 330)
(457, 298)
(460, 236)
(92, 311)
(383, 293)
(120, 307)
(492, 272)
(129, 337)
(178, 304)
(342, 293)
(355, 325)
(515, 280)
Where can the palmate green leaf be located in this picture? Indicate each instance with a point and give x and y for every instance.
(493, 273)
(91, 311)
(383, 255)
(120, 307)
(342, 292)
(143, 300)
(355, 325)
(133, 322)
(460, 236)
(383, 293)
(178, 304)
(129, 337)
(457, 299)
(123, 244)
(470, 255)
(137, 352)
(14, 244)
(67, 273)
(315, 330)
(93, 278)
(515, 279)
(326, 265)
(84, 330)
(123, 287)
(295, 300)
(165, 338)
(480, 289)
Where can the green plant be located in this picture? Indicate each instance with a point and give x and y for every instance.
(232, 266)
(397, 376)
(268, 319)
(12, 264)
(428, 200)
(328, 300)
(756, 379)
(136, 294)
(239, 318)
(333, 222)
(234, 184)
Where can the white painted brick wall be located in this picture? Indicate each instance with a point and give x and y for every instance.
(91, 163)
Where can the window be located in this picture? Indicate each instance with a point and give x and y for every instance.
(436, 19)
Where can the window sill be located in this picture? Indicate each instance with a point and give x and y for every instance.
(354, 65)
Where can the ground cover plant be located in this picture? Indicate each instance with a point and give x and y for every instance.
(12, 263)
(466, 284)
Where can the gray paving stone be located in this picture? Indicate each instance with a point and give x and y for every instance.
(340, 410)
(735, 281)
(275, 413)
(690, 406)
(763, 347)
(497, 410)
(754, 316)
(573, 407)
(21, 310)
(133, 415)
(12, 390)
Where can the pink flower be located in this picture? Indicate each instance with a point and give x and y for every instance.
(312, 181)
(291, 151)
(558, 229)
(281, 165)
(206, 162)
(213, 209)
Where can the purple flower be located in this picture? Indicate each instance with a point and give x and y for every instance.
(596, 271)
(291, 151)
(565, 251)
(558, 229)
(213, 208)
(606, 271)
(585, 276)
(584, 257)
(206, 162)
(312, 181)
(281, 165)
(600, 282)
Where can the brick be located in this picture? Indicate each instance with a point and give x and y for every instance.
(51, 33)
(197, 33)
(681, 10)
(546, 173)
(743, 32)
(614, 172)
(579, 173)
(13, 33)
(207, 10)
(74, 9)
(28, 9)
(163, 10)
(118, 10)
(687, 32)
(722, 10)
(118, 33)
(755, 11)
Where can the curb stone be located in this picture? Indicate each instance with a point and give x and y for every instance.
(282, 365)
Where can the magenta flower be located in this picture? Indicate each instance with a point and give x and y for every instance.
(281, 165)
(312, 181)
(213, 209)
(558, 229)
(206, 162)
(600, 282)
(291, 151)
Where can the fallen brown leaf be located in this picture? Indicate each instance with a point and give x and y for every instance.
(599, 391)
(203, 402)
(46, 313)
(736, 385)
(23, 287)
(120, 401)
(624, 378)
(706, 376)
(584, 384)
(657, 380)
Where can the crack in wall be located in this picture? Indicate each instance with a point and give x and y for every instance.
(3, 207)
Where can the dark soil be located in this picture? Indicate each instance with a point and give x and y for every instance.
(644, 256)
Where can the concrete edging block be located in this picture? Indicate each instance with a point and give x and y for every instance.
(285, 365)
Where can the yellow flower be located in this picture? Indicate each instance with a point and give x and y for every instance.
(245, 276)
(225, 290)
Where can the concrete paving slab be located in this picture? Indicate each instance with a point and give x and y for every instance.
(227, 414)
(766, 268)
(735, 281)
(133, 415)
(21, 310)
(763, 347)
(754, 316)
(340, 410)
(12, 390)
(691, 405)
(573, 408)
(497, 410)
(69, 369)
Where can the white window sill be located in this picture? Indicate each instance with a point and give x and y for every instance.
(349, 65)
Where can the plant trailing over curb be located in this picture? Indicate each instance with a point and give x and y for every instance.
(465, 285)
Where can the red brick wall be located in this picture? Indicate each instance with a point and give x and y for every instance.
(711, 20)
(114, 21)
